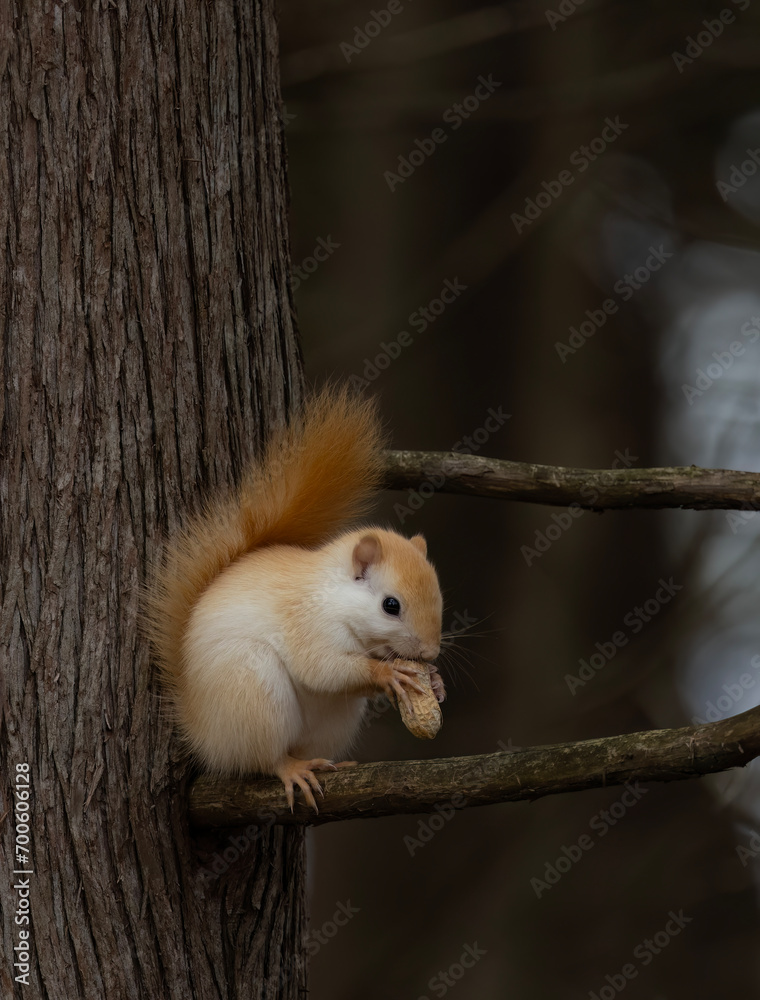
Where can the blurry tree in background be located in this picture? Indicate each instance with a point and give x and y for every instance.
(549, 213)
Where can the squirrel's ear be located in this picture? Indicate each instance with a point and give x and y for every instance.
(366, 552)
(419, 543)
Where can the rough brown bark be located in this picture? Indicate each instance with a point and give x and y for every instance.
(147, 346)
(419, 786)
(591, 489)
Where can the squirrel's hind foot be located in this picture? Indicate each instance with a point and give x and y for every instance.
(294, 771)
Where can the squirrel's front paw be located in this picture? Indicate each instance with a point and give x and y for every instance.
(436, 683)
(395, 676)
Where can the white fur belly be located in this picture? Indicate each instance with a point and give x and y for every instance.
(239, 711)
(330, 725)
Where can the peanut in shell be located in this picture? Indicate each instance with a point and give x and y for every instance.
(425, 719)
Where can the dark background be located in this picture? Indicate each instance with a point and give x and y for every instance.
(688, 847)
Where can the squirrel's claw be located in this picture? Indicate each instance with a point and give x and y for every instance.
(406, 673)
(396, 677)
(301, 772)
(436, 683)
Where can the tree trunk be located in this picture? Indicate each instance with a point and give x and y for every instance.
(148, 347)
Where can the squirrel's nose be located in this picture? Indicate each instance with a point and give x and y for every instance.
(429, 652)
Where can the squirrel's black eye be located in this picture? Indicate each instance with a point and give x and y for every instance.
(392, 606)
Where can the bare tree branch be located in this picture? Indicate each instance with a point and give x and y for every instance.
(591, 489)
(390, 788)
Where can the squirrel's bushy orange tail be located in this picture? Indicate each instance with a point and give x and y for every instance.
(315, 476)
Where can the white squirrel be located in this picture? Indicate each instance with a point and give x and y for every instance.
(272, 624)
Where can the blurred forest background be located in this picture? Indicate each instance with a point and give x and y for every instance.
(592, 194)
